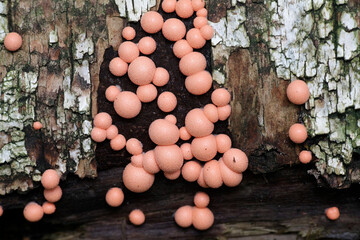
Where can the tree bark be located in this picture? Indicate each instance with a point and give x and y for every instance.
(60, 75)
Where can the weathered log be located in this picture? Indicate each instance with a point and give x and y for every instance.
(60, 75)
(287, 204)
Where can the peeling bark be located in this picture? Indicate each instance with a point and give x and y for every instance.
(317, 41)
(259, 46)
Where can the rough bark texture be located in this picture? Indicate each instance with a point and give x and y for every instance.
(59, 78)
(317, 41)
(53, 79)
(258, 209)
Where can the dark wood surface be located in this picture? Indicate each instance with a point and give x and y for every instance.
(286, 204)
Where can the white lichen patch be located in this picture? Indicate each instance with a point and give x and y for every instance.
(348, 44)
(3, 28)
(83, 46)
(292, 51)
(16, 111)
(229, 34)
(3, 8)
(304, 44)
(133, 9)
(53, 36)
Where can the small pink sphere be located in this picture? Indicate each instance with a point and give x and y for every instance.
(50, 179)
(128, 51)
(127, 104)
(199, 22)
(184, 8)
(186, 151)
(118, 67)
(332, 213)
(149, 162)
(298, 133)
(204, 148)
(167, 101)
(128, 33)
(191, 171)
(169, 158)
(48, 207)
(37, 125)
(147, 45)
(192, 63)
(114, 197)
(211, 112)
(53, 195)
(207, 32)
(137, 217)
(181, 48)
(212, 174)
(171, 118)
(163, 132)
(137, 160)
(203, 218)
(1, 211)
(229, 177)
(184, 134)
(137, 179)
(111, 93)
(183, 216)
(12, 41)
(112, 132)
(118, 142)
(220, 97)
(134, 146)
(142, 70)
(174, 29)
(224, 112)
(168, 6)
(201, 200)
(198, 4)
(33, 212)
(298, 92)
(161, 77)
(102, 120)
(195, 39)
(98, 134)
(147, 93)
(152, 22)
(202, 12)
(236, 160)
(305, 156)
(199, 83)
(223, 143)
(197, 124)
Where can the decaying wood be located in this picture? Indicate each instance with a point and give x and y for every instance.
(317, 41)
(287, 204)
(53, 79)
(59, 78)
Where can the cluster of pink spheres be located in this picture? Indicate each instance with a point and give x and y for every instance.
(138, 176)
(167, 156)
(199, 216)
(298, 93)
(50, 179)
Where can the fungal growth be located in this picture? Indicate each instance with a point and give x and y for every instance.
(185, 145)
(189, 147)
(332, 213)
(200, 216)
